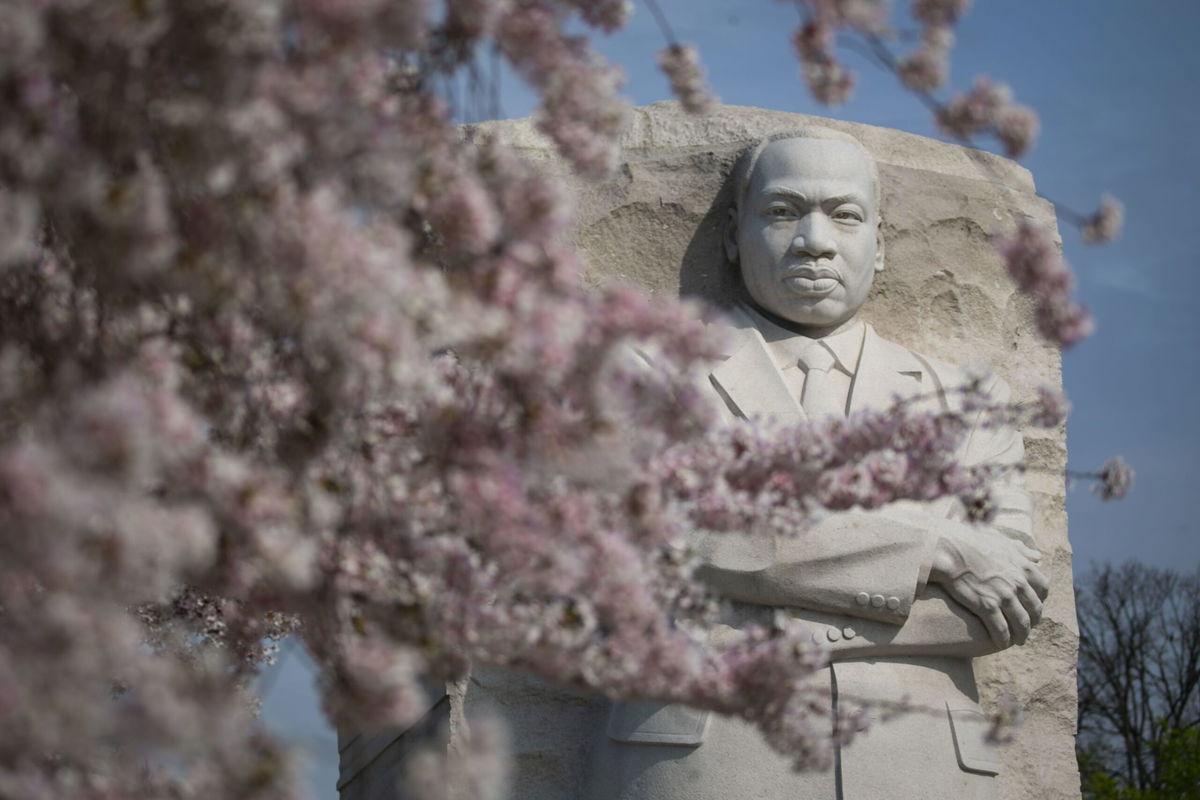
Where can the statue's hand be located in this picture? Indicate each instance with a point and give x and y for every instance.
(994, 577)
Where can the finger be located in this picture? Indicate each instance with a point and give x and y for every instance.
(1038, 581)
(1027, 551)
(997, 628)
(1018, 618)
(1032, 603)
(993, 619)
(985, 609)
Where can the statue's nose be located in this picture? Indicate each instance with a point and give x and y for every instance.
(813, 237)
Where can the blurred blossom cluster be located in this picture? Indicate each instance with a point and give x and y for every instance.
(1106, 223)
(283, 348)
(988, 108)
(928, 66)
(1032, 259)
(828, 80)
(681, 63)
(1115, 479)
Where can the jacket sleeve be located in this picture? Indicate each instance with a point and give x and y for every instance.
(874, 565)
(864, 564)
(936, 626)
(1002, 446)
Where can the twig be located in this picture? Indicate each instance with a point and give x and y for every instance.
(661, 19)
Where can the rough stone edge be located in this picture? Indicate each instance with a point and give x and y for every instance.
(665, 125)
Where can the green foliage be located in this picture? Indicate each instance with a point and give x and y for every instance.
(1176, 760)
(1139, 683)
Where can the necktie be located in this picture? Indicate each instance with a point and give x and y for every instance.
(822, 396)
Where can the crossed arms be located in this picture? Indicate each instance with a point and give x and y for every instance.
(915, 580)
(915, 584)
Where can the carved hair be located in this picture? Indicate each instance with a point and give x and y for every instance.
(743, 171)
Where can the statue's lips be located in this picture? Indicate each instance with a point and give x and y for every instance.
(809, 283)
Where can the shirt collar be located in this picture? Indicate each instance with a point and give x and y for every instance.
(787, 345)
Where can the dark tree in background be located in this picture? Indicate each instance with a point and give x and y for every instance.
(1139, 683)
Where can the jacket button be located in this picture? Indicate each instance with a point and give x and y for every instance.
(849, 632)
(877, 601)
(833, 634)
(893, 603)
(863, 598)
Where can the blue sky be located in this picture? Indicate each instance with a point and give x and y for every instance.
(1115, 84)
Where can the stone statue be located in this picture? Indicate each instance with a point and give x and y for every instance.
(909, 600)
(903, 597)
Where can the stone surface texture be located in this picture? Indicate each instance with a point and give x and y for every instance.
(658, 224)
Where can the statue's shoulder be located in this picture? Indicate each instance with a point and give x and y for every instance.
(947, 376)
(733, 328)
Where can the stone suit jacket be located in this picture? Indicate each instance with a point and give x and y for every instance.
(857, 579)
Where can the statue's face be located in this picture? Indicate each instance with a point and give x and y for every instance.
(807, 234)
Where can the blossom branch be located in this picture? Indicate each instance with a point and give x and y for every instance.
(1113, 481)
(681, 64)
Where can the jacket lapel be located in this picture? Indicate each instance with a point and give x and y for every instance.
(753, 385)
(750, 380)
(886, 370)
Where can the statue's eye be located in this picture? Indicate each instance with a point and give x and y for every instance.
(847, 215)
(779, 211)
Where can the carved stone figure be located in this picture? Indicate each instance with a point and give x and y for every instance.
(889, 592)
(904, 596)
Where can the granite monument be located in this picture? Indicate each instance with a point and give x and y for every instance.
(870, 245)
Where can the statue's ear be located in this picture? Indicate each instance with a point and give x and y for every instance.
(731, 231)
(879, 248)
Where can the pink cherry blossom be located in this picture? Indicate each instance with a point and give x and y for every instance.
(939, 12)
(1116, 478)
(1105, 225)
(828, 81)
(288, 352)
(681, 63)
(928, 67)
(1017, 129)
(1050, 408)
(1033, 262)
